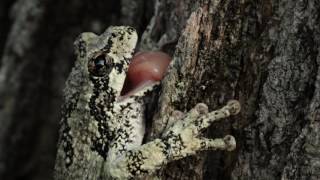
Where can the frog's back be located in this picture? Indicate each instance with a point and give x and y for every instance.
(88, 123)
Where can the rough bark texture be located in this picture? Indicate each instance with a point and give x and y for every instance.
(264, 53)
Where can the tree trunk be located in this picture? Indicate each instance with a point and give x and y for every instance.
(263, 53)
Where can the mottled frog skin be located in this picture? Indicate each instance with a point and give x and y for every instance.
(101, 132)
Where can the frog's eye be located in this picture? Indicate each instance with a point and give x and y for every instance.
(100, 66)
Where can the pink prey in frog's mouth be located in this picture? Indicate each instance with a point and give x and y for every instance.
(145, 68)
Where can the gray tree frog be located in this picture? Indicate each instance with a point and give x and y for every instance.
(101, 132)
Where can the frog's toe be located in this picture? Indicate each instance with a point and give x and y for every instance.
(227, 143)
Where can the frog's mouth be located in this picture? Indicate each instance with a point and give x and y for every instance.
(137, 89)
(145, 69)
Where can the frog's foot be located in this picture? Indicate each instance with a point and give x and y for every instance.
(182, 138)
(183, 135)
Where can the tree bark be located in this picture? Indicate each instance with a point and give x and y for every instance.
(264, 53)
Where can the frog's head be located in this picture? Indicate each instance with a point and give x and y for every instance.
(104, 59)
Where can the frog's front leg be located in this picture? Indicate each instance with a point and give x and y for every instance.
(180, 140)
